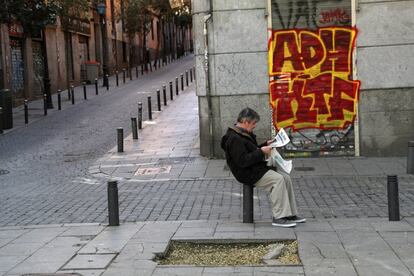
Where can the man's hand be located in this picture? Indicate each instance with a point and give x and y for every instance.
(268, 142)
(266, 150)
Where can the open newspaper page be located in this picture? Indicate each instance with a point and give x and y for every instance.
(275, 159)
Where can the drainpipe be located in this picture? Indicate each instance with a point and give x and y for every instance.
(207, 78)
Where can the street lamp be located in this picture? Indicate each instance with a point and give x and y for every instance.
(101, 9)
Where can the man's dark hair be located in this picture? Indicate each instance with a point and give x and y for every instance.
(248, 114)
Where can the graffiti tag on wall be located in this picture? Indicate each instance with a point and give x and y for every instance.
(311, 78)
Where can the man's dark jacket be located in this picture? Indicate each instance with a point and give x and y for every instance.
(244, 157)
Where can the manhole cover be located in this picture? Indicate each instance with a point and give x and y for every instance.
(305, 169)
(3, 172)
(151, 171)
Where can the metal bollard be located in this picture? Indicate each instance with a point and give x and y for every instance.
(120, 132)
(182, 82)
(142, 69)
(72, 92)
(1, 120)
(139, 115)
(176, 86)
(171, 91)
(59, 99)
(130, 73)
(69, 89)
(247, 204)
(194, 73)
(149, 108)
(96, 87)
(150, 66)
(191, 75)
(410, 158)
(85, 97)
(107, 81)
(44, 104)
(116, 78)
(26, 112)
(186, 78)
(393, 201)
(136, 71)
(123, 75)
(164, 93)
(134, 128)
(113, 207)
(158, 100)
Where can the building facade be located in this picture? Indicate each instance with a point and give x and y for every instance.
(333, 73)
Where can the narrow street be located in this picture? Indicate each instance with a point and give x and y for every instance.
(48, 160)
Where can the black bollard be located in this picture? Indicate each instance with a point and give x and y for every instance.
(142, 69)
(194, 73)
(176, 86)
(123, 75)
(149, 108)
(72, 92)
(134, 128)
(139, 115)
(85, 97)
(186, 78)
(136, 71)
(96, 87)
(171, 91)
(150, 66)
(26, 112)
(1, 120)
(410, 158)
(117, 78)
(164, 93)
(247, 204)
(393, 202)
(69, 89)
(120, 132)
(191, 75)
(182, 82)
(158, 100)
(59, 99)
(130, 73)
(107, 81)
(113, 208)
(44, 104)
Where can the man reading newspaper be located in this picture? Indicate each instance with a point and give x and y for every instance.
(247, 162)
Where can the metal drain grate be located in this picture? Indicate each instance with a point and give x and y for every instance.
(305, 169)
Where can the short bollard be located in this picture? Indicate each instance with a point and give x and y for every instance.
(116, 78)
(194, 73)
(59, 99)
(85, 96)
(410, 158)
(191, 75)
(150, 66)
(130, 73)
(134, 128)
(164, 93)
(393, 201)
(107, 81)
(171, 91)
(139, 115)
(69, 89)
(247, 204)
(176, 86)
(72, 92)
(159, 99)
(96, 87)
(120, 132)
(1, 120)
(182, 82)
(26, 112)
(149, 108)
(44, 104)
(123, 75)
(142, 69)
(136, 71)
(113, 208)
(186, 78)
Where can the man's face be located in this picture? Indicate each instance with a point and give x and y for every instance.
(249, 126)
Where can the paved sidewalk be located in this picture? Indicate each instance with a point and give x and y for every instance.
(329, 247)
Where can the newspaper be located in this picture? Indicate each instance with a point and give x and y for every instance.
(275, 159)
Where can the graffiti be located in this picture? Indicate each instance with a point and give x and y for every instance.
(296, 10)
(336, 16)
(311, 78)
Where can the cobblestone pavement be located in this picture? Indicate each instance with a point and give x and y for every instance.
(59, 166)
